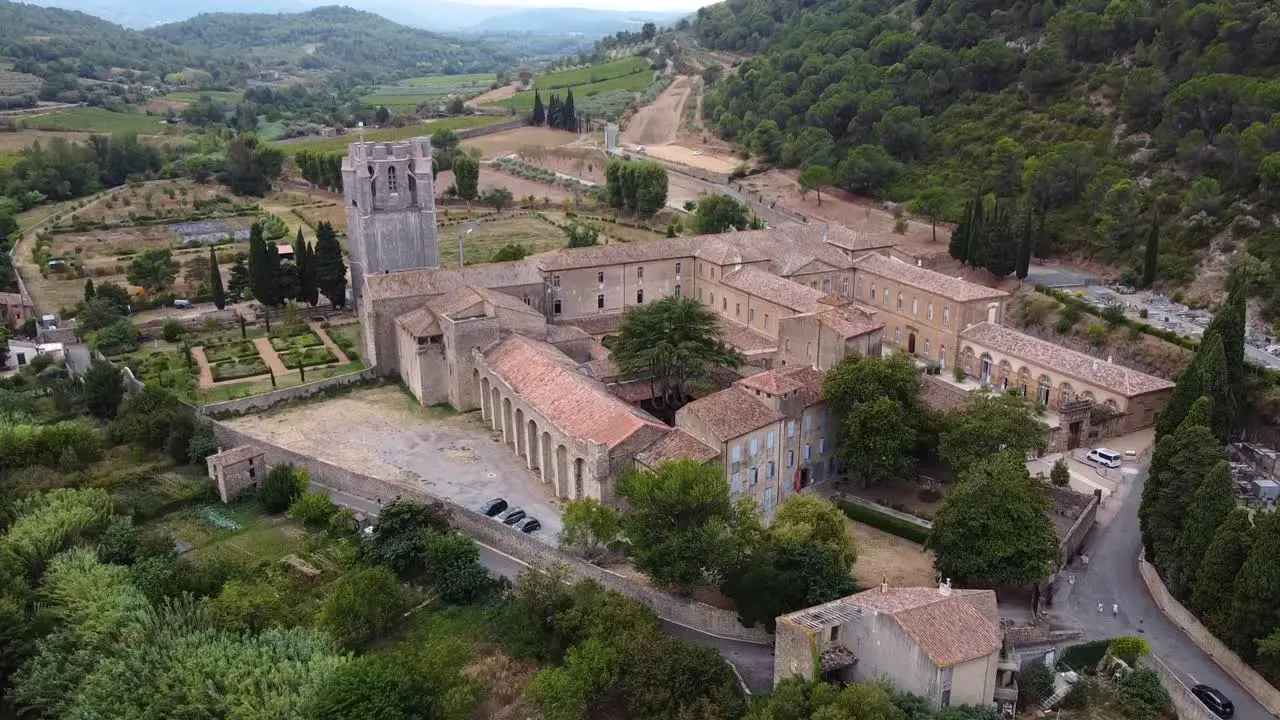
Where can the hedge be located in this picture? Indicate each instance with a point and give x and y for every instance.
(1085, 656)
(887, 523)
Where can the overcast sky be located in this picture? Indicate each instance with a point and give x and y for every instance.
(651, 5)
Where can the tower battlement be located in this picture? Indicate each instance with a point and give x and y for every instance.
(389, 193)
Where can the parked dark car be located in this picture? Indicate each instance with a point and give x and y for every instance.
(512, 516)
(493, 507)
(1213, 699)
(529, 525)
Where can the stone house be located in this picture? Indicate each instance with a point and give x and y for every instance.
(942, 644)
(237, 469)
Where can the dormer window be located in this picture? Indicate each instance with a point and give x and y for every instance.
(393, 184)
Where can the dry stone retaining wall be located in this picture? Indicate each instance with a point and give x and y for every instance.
(256, 403)
(689, 613)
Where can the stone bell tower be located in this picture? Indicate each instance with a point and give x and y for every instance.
(391, 208)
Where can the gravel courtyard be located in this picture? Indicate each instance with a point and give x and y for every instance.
(383, 432)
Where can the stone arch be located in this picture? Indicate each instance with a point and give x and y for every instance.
(562, 471)
(985, 364)
(534, 447)
(1006, 373)
(486, 409)
(508, 437)
(1044, 390)
(1088, 395)
(579, 471)
(1024, 380)
(548, 463)
(495, 409)
(966, 359)
(518, 429)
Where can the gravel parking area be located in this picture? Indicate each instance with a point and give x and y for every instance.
(383, 432)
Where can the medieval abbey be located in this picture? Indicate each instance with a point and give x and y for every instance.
(522, 341)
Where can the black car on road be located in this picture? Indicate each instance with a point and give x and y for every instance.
(1213, 699)
(529, 524)
(512, 516)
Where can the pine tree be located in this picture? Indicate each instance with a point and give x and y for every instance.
(1152, 255)
(215, 281)
(1216, 576)
(330, 270)
(539, 113)
(569, 121)
(1256, 595)
(1206, 376)
(1210, 506)
(1024, 247)
(1179, 464)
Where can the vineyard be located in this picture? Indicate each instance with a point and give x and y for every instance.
(591, 74)
(340, 142)
(633, 83)
(92, 119)
(409, 94)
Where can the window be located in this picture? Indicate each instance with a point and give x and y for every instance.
(600, 277)
(555, 281)
(724, 303)
(791, 458)
(946, 316)
(884, 296)
(557, 307)
(808, 451)
(769, 441)
(915, 307)
(897, 336)
(770, 470)
(808, 350)
(899, 301)
(808, 423)
(678, 263)
(735, 454)
(393, 183)
(822, 445)
(640, 296)
(677, 292)
(737, 309)
(713, 298)
(926, 347)
(791, 428)
(22, 359)
(754, 474)
(928, 312)
(640, 273)
(751, 314)
(857, 288)
(755, 447)
(844, 287)
(942, 356)
(826, 285)
(600, 302)
(735, 485)
(699, 293)
(873, 292)
(526, 300)
(713, 272)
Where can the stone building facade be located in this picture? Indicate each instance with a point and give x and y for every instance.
(235, 470)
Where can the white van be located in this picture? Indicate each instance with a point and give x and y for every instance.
(1104, 457)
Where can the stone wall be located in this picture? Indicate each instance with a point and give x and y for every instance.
(1073, 539)
(268, 400)
(699, 616)
(489, 129)
(1185, 704)
(1247, 677)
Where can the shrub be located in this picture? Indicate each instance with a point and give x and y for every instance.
(453, 564)
(366, 603)
(887, 523)
(173, 330)
(284, 484)
(1128, 648)
(1060, 475)
(1142, 697)
(202, 445)
(1084, 658)
(1035, 684)
(312, 509)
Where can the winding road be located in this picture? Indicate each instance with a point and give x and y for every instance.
(1112, 577)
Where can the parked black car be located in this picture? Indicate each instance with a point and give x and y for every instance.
(529, 525)
(1213, 699)
(512, 516)
(493, 507)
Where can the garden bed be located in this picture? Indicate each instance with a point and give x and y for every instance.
(310, 356)
(230, 351)
(881, 521)
(292, 343)
(236, 369)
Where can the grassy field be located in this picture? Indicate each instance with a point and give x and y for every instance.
(535, 234)
(592, 74)
(94, 119)
(339, 143)
(634, 82)
(222, 96)
(17, 83)
(408, 94)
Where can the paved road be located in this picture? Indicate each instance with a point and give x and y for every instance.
(1112, 577)
(753, 662)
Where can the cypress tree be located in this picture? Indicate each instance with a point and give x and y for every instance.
(539, 112)
(999, 245)
(1256, 593)
(1228, 324)
(1212, 502)
(1216, 576)
(1180, 462)
(89, 291)
(262, 275)
(215, 281)
(1215, 384)
(1153, 251)
(1024, 247)
(330, 270)
(569, 121)
(958, 248)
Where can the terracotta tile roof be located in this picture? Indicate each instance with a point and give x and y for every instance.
(676, 445)
(502, 300)
(773, 382)
(940, 396)
(770, 287)
(549, 382)
(597, 324)
(601, 368)
(731, 413)
(747, 341)
(240, 453)
(456, 302)
(854, 241)
(437, 281)
(950, 629)
(420, 323)
(567, 333)
(1086, 368)
(616, 253)
(927, 280)
(810, 380)
(850, 321)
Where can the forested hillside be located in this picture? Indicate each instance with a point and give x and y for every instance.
(41, 35)
(333, 38)
(1100, 115)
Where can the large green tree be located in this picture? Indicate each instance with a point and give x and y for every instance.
(215, 281)
(262, 268)
(1255, 600)
(636, 185)
(1209, 507)
(990, 423)
(103, 389)
(1216, 577)
(720, 213)
(466, 176)
(252, 165)
(330, 270)
(992, 528)
(153, 269)
(671, 343)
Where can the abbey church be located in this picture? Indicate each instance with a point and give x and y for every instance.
(523, 342)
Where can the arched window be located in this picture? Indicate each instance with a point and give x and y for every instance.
(1042, 395)
(393, 183)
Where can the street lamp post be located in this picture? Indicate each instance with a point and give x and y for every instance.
(463, 236)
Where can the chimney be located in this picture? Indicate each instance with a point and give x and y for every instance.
(737, 261)
(1108, 359)
(884, 586)
(944, 588)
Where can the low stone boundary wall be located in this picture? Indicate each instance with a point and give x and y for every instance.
(1249, 679)
(886, 510)
(696, 615)
(1185, 704)
(255, 403)
(487, 129)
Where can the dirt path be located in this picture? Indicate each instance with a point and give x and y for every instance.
(206, 372)
(270, 357)
(657, 122)
(493, 96)
(329, 343)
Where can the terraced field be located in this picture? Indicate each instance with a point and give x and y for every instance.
(409, 94)
(92, 119)
(635, 82)
(340, 142)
